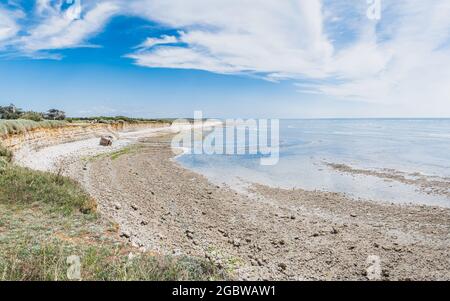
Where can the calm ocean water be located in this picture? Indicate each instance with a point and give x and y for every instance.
(415, 145)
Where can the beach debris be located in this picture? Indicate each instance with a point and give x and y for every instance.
(190, 234)
(236, 243)
(177, 252)
(125, 234)
(334, 230)
(353, 215)
(136, 243)
(282, 266)
(144, 223)
(106, 140)
(135, 207)
(224, 233)
(117, 206)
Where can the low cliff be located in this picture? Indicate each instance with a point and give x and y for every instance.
(42, 137)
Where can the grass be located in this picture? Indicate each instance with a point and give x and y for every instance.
(124, 151)
(19, 126)
(45, 218)
(21, 186)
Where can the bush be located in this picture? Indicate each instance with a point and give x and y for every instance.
(5, 154)
(35, 116)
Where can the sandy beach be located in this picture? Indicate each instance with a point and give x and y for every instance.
(265, 233)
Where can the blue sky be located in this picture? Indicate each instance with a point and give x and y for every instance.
(286, 59)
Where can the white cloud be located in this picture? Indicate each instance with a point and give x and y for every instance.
(272, 36)
(150, 42)
(8, 24)
(401, 59)
(406, 61)
(60, 28)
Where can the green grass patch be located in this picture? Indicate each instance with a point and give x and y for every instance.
(45, 219)
(23, 186)
(124, 151)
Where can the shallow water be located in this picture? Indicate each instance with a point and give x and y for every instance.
(416, 145)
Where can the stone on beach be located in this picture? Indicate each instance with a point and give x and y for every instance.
(106, 140)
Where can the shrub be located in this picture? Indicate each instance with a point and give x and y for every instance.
(35, 116)
(5, 153)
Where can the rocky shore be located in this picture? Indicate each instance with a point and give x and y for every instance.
(266, 233)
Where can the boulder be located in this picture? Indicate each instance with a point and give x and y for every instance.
(106, 140)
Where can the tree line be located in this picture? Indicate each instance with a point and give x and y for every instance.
(13, 112)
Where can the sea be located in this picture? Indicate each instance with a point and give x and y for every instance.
(307, 147)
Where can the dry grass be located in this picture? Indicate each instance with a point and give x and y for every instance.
(19, 126)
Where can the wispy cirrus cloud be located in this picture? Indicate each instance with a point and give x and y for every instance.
(9, 26)
(60, 28)
(402, 58)
(278, 38)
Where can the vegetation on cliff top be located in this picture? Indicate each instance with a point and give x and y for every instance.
(13, 112)
(108, 119)
(45, 219)
(14, 120)
(19, 126)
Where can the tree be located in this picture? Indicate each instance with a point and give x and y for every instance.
(10, 112)
(54, 114)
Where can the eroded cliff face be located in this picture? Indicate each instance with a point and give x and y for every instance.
(44, 137)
